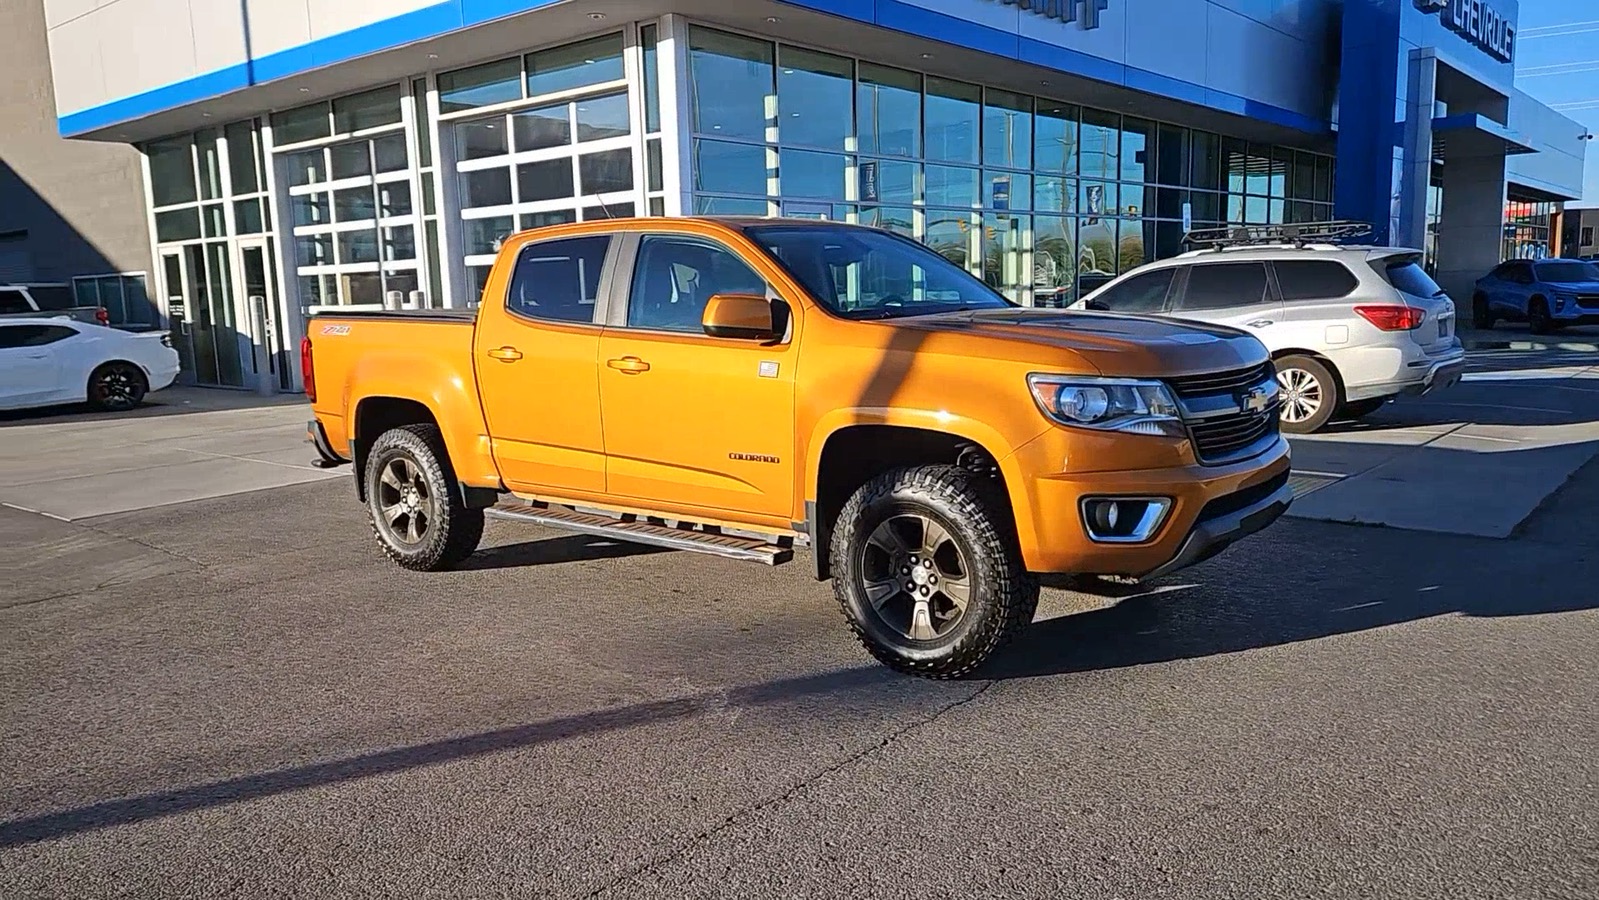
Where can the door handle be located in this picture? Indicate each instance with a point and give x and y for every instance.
(629, 365)
(1258, 323)
(506, 354)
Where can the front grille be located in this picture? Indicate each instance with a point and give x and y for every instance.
(1222, 382)
(1588, 301)
(1221, 438)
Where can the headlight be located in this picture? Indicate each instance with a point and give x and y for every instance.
(1108, 404)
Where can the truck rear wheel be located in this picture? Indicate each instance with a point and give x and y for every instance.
(417, 514)
(927, 572)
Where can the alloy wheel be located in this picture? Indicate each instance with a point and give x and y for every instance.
(116, 386)
(1301, 395)
(407, 509)
(916, 577)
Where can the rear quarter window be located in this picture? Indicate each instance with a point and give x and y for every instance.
(1405, 275)
(1314, 279)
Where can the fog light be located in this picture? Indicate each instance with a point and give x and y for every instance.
(1124, 519)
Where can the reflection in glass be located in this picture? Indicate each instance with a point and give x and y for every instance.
(805, 173)
(486, 187)
(1007, 190)
(814, 94)
(594, 61)
(603, 117)
(949, 235)
(647, 38)
(495, 82)
(721, 167)
(547, 218)
(360, 246)
(951, 186)
(306, 123)
(477, 278)
(1137, 150)
(306, 167)
(247, 218)
(889, 111)
(372, 109)
(480, 237)
(1101, 144)
(390, 152)
(901, 220)
(1096, 254)
(171, 172)
(177, 225)
(394, 198)
(242, 156)
(1098, 198)
(728, 206)
(1235, 163)
(732, 84)
(1136, 242)
(310, 209)
(606, 171)
(475, 140)
(1006, 240)
(362, 288)
(1257, 211)
(215, 220)
(608, 211)
(1204, 161)
(354, 204)
(550, 179)
(952, 120)
(1258, 170)
(1007, 130)
(547, 126)
(896, 181)
(1054, 261)
(1054, 194)
(351, 160)
(1055, 137)
(399, 242)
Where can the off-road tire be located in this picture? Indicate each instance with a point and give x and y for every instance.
(1482, 316)
(1003, 595)
(1359, 409)
(1539, 321)
(116, 387)
(454, 533)
(1327, 385)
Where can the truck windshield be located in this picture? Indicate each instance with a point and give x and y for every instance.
(1567, 271)
(862, 273)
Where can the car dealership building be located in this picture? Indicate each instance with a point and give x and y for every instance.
(316, 153)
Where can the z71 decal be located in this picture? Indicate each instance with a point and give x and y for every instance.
(335, 329)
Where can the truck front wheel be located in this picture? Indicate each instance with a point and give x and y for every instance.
(928, 574)
(417, 514)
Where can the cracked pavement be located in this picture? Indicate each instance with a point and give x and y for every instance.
(238, 697)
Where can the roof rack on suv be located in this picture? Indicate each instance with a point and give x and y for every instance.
(1297, 234)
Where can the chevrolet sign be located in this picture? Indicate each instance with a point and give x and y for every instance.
(1477, 22)
(1064, 10)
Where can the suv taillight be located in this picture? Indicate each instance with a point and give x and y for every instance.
(1392, 318)
(101, 316)
(307, 372)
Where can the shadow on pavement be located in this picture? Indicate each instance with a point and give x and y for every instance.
(549, 551)
(174, 401)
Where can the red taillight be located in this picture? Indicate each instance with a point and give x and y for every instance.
(101, 316)
(1392, 318)
(307, 372)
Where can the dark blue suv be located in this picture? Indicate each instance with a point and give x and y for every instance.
(1545, 293)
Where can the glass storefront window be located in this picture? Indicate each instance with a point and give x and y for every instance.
(172, 172)
(900, 220)
(888, 111)
(728, 206)
(1204, 161)
(210, 164)
(306, 123)
(951, 186)
(485, 85)
(603, 117)
(806, 173)
(725, 168)
(485, 187)
(1007, 130)
(1137, 150)
(372, 109)
(953, 120)
(1007, 190)
(1257, 171)
(949, 234)
(1055, 137)
(815, 99)
(1098, 198)
(605, 172)
(540, 128)
(896, 181)
(654, 173)
(177, 225)
(1097, 253)
(594, 61)
(733, 84)
(243, 157)
(1054, 261)
(306, 167)
(648, 39)
(1053, 194)
(351, 160)
(1100, 145)
(1171, 156)
(475, 140)
(480, 237)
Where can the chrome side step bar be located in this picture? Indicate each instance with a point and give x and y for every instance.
(630, 529)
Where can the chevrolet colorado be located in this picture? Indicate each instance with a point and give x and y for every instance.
(744, 386)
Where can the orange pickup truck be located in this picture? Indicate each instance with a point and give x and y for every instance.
(744, 386)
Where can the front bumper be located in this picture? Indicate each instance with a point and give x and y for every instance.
(1212, 507)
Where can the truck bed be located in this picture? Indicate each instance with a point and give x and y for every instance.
(408, 315)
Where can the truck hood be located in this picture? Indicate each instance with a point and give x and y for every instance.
(1573, 287)
(1116, 345)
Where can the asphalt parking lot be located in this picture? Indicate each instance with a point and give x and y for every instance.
(230, 694)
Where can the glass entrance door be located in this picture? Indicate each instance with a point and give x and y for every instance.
(175, 290)
(198, 284)
(258, 288)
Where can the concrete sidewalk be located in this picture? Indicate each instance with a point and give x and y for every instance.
(1475, 459)
(184, 444)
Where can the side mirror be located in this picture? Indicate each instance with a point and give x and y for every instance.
(742, 316)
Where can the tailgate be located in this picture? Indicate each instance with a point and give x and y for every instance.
(1404, 272)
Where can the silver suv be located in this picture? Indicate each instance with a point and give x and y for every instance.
(1350, 327)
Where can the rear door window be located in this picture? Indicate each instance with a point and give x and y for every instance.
(1142, 293)
(1407, 276)
(1314, 279)
(1224, 285)
(559, 281)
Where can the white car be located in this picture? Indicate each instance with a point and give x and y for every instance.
(48, 361)
(1349, 327)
